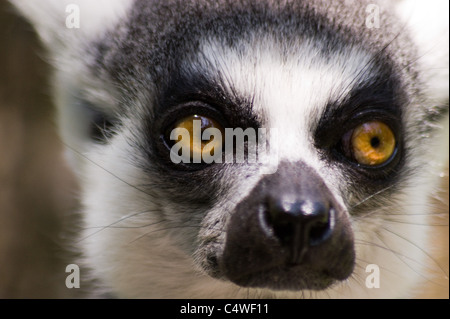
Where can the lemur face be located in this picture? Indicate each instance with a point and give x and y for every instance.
(347, 167)
(290, 229)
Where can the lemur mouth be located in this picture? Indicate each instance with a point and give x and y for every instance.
(316, 272)
(288, 234)
(285, 278)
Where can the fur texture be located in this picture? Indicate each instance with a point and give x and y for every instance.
(307, 68)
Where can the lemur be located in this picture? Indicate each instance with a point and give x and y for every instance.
(356, 91)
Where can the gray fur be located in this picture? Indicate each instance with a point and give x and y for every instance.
(154, 55)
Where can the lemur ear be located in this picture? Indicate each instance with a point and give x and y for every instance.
(63, 23)
(428, 24)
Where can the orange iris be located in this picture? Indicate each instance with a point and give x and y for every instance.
(197, 145)
(373, 143)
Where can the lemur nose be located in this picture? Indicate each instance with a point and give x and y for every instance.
(289, 232)
(298, 224)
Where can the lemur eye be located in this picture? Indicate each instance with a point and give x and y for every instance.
(371, 143)
(198, 142)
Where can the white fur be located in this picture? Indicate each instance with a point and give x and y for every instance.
(428, 23)
(136, 259)
(67, 51)
(49, 18)
(292, 93)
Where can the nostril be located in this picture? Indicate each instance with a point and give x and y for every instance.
(321, 230)
(282, 219)
(283, 230)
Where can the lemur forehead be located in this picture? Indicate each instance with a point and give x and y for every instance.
(289, 89)
(263, 50)
(160, 34)
(293, 83)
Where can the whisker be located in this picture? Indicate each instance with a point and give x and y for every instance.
(104, 169)
(381, 267)
(416, 224)
(399, 255)
(116, 222)
(418, 247)
(369, 243)
(122, 219)
(165, 228)
(371, 196)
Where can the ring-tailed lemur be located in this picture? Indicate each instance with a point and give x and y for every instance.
(357, 92)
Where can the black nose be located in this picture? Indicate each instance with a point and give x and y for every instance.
(288, 233)
(298, 224)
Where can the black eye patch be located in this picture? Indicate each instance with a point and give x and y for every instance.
(379, 98)
(100, 126)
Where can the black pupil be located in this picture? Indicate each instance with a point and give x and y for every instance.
(375, 142)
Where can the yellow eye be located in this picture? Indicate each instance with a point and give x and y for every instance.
(197, 143)
(372, 143)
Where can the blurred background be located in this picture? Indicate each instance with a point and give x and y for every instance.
(38, 193)
(36, 188)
